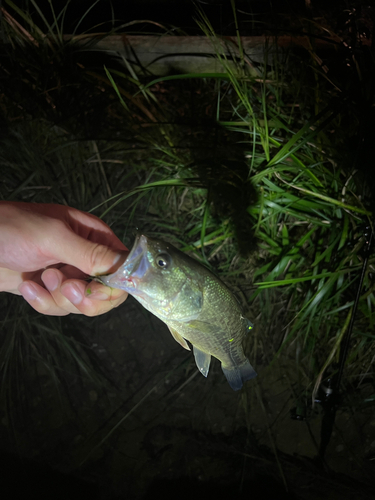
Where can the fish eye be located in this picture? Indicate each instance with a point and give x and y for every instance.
(163, 260)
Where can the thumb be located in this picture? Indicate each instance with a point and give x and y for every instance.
(97, 259)
(91, 258)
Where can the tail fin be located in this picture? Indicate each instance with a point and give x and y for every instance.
(239, 374)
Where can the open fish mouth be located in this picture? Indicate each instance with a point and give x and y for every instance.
(133, 269)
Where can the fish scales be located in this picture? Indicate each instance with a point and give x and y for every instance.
(193, 302)
(214, 334)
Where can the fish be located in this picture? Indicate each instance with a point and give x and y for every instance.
(195, 305)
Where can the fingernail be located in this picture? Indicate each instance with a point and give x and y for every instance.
(51, 280)
(120, 257)
(96, 295)
(27, 291)
(72, 293)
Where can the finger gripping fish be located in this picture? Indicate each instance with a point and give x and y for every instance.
(193, 303)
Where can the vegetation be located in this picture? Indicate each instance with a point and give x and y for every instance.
(257, 171)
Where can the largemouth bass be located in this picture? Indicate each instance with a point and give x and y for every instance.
(193, 303)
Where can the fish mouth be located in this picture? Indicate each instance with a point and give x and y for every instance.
(135, 267)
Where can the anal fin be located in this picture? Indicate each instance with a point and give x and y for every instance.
(203, 360)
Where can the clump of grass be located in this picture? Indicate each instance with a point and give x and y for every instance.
(39, 358)
(306, 214)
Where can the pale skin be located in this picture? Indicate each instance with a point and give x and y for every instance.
(48, 251)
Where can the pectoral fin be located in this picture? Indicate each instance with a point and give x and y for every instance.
(202, 360)
(178, 338)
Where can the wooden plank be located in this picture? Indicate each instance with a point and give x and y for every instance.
(166, 55)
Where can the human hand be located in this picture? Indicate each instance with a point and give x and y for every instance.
(46, 253)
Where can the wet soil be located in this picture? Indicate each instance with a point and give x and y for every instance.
(152, 423)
